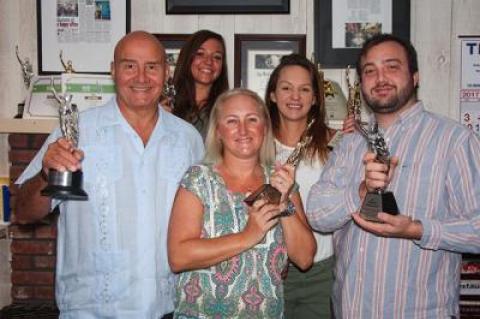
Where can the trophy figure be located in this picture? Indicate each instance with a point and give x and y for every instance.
(354, 101)
(267, 191)
(378, 200)
(27, 72)
(68, 67)
(66, 185)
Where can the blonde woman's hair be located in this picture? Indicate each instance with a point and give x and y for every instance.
(214, 148)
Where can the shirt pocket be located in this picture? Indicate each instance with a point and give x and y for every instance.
(416, 180)
(174, 164)
(102, 162)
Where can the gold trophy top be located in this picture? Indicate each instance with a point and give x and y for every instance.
(302, 144)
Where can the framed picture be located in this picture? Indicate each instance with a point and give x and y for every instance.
(227, 7)
(256, 55)
(85, 32)
(173, 43)
(341, 28)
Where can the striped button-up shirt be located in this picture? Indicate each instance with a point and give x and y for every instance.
(436, 182)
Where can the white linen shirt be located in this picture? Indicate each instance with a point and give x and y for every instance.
(112, 249)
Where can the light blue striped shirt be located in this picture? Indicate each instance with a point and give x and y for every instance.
(112, 249)
(437, 182)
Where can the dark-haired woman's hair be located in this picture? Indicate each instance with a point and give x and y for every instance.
(319, 131)
(185, 103)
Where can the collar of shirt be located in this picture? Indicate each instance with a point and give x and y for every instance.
(111, 116)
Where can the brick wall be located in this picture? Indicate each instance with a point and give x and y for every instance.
(33, 246)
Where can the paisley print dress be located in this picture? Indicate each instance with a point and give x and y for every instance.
(248, 285)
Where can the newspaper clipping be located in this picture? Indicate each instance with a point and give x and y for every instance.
(87, 21)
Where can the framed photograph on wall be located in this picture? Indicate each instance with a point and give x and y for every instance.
(256, 55)
(86, 32)
(341, 28)
(173, 43)
(227, 6)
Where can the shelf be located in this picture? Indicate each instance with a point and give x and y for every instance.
(28, 125)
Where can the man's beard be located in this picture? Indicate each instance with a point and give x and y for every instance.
(393, 103)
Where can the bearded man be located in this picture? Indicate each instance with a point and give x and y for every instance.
(405, 265)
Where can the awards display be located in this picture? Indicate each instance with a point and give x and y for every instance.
(27, 73)
(267, 191)
(66, 185)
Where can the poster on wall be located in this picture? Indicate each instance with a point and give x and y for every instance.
(470, 82)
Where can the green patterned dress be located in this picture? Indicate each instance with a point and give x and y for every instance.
(248, 285)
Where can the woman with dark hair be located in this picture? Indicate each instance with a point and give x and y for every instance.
(294, 97)
(200, 77)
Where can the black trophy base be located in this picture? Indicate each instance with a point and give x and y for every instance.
(378, 202)
(65, 186)
(266, 192)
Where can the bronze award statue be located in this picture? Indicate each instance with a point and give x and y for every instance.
(66, 185)
(354, 101)
(267, 191)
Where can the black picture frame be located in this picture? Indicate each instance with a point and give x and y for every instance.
(173, 43)
(260, 47)
(80, 53)
(330, 57)
(227, 7)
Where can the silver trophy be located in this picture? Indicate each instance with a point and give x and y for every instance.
(378, 200)
(66, 185)
(68, 66)
(267, 191)
(27, 72)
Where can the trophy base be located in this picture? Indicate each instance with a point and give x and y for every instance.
(65, 186)
(266, 192)
(378, 202)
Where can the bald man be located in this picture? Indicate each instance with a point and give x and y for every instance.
(111, 249)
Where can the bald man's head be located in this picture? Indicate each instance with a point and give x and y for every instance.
(136, 37)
